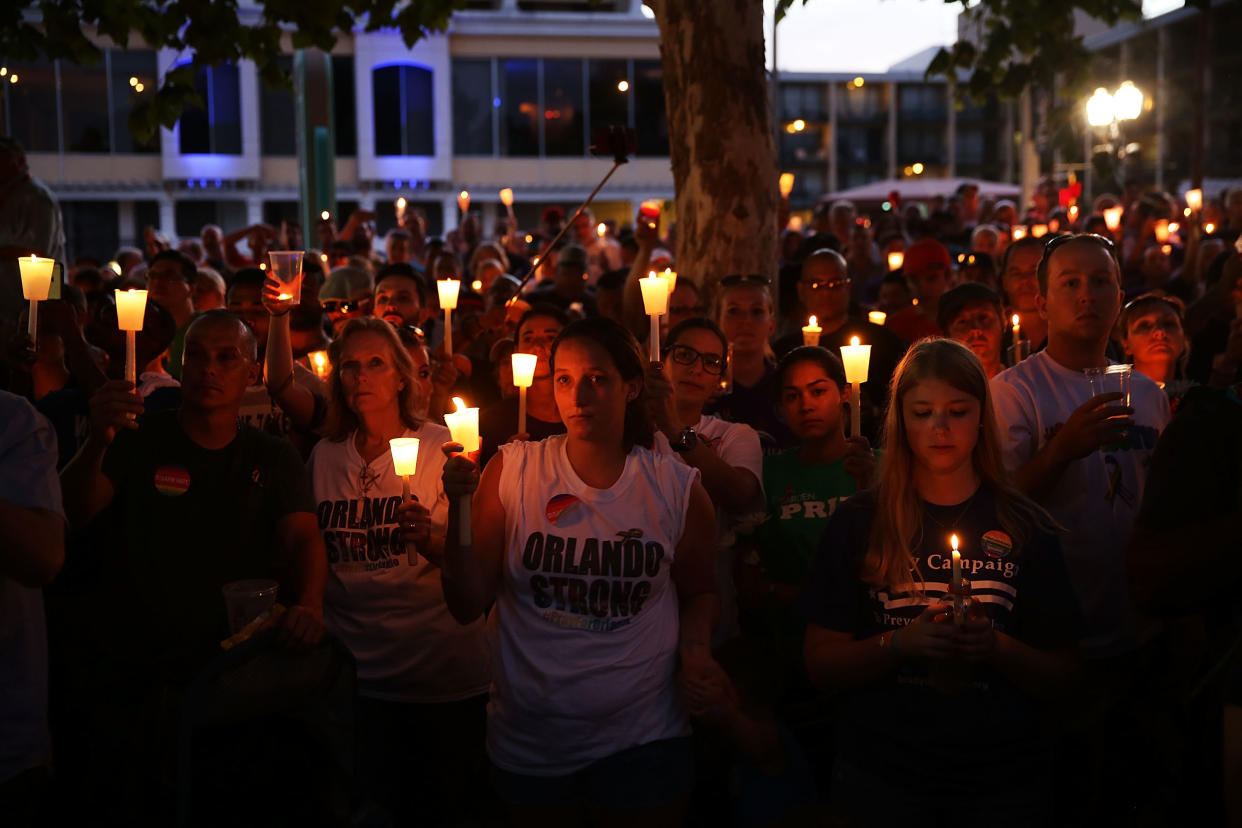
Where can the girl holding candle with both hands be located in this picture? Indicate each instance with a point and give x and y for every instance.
(421, 676)
(597, 553)
(941, 719)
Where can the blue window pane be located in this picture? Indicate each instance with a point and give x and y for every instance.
(519, 102)
(472, 106)
(563, 121)
(404, 119)
(215, 128)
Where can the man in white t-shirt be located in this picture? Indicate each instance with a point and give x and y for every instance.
(1084, 458)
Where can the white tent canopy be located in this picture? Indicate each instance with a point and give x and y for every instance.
(919, 189)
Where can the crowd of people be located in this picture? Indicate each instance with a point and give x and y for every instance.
(681, 591)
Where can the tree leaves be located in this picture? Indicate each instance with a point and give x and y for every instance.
(212, 32)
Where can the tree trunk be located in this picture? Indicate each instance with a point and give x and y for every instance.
(720, 137)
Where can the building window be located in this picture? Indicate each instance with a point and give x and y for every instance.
(91, 228)
(969, 146)
(860, 146)
(215, 127)
(519, 106)
(124, 65)
(922, 102)
(84, 107)
(30, 106)
(278, 115)
(343, 109)
(804, 100)
(563, 120)
(650, 118)
(404, 112)
(192, 215)
(920, 145)
(609, 86)
(862, 103)
(472, 106)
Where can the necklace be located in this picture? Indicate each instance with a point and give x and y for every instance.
(367, 478)
(953, 523)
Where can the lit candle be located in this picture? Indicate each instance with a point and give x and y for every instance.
(449, 289)
(319, 363)
(1194, 200)
(463, 201)
(957, 564)
(325, 215)
(601, 229)
(506, 198)
(955, 588)
(795, 224)
(1019, 232)
(786, 184)
(405, 461)
(655, 302)
(856, 359)
(1073, 212)
(1209, 228)
(1166, 249)
(1174, 227)
(287, 273)
(1162, 231)
(1017, 329)
(131, 307)
(1039, 230)
(895, 260)
(523, 378)
(876, 317)
(476, 285)
(1112, 218)
(670, 276)
(36, 285)
(400, 204)
(463, 426)
(811, 331)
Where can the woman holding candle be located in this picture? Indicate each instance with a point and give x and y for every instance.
(421, 675)
(597, 553)
(880, 628)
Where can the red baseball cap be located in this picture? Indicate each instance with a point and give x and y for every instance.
(925, 256)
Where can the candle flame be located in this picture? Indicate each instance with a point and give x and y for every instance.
(401, 203)
(460, 403)
(812, 323)
(476, 285)
(1015, 320)
(325, 215)
(1209, 228)
(284, 297)
(601, 228)
(853, 339)
(953, 540)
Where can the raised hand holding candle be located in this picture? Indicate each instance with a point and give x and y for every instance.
(405, 462)
(286, 271)
(811, 331)
(463, 201)
(655, 303)
(895, 260)
(876, 317)
(449, 290)
(36, 285)
(523, 378)
(131, 308)
(856, 359)
(463, 426)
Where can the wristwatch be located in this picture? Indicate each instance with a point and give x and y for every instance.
(685, 441)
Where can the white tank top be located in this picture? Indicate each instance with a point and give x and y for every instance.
(586, 620)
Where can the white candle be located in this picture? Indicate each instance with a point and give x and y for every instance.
(405, 461)
(655, 302)
(319, 363)
(955, 588)
(131, 307)
(523, 378)
(463, 426)
(876, 317)
(856, 359)
(811, 331)
(1194, 200)
(670, 276)
(36, 285)
(1112, 218)
(957, 563)
(506, 196)
(895, 260)
(449, 289)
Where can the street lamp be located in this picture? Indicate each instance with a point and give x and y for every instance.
(1107, 111)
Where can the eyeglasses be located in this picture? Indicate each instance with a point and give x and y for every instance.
(685, 355)
(835, 284)
(736, 279)
(338, 306)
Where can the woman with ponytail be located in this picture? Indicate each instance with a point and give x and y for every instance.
(941, 715)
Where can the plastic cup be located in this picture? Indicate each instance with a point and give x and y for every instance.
(287, 273)
(245, 601)
(1111, 379)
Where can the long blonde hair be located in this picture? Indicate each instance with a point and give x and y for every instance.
(342, 421)
(896, 530)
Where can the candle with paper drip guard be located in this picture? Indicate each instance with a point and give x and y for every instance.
(655, 303)
(811, 331)
(523, 378)
(670, 276)
(319, 363)
(876, 317)
(506, 198)
(896, 259)
(955, 586)
(449, 290)
(463, 426)
(1112, 218)
(131, 307)
(405, 462)
(857, 359)
(1194, 200)
(36, 285)
(786, 184)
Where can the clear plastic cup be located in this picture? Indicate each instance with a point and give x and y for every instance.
(1111, 379)
(287, 273)
(245, 601)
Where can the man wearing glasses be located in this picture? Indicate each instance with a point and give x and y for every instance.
(824, 290)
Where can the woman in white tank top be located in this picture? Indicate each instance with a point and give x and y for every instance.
(598, 555)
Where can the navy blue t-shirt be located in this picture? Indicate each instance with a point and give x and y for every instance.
(988, 729)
